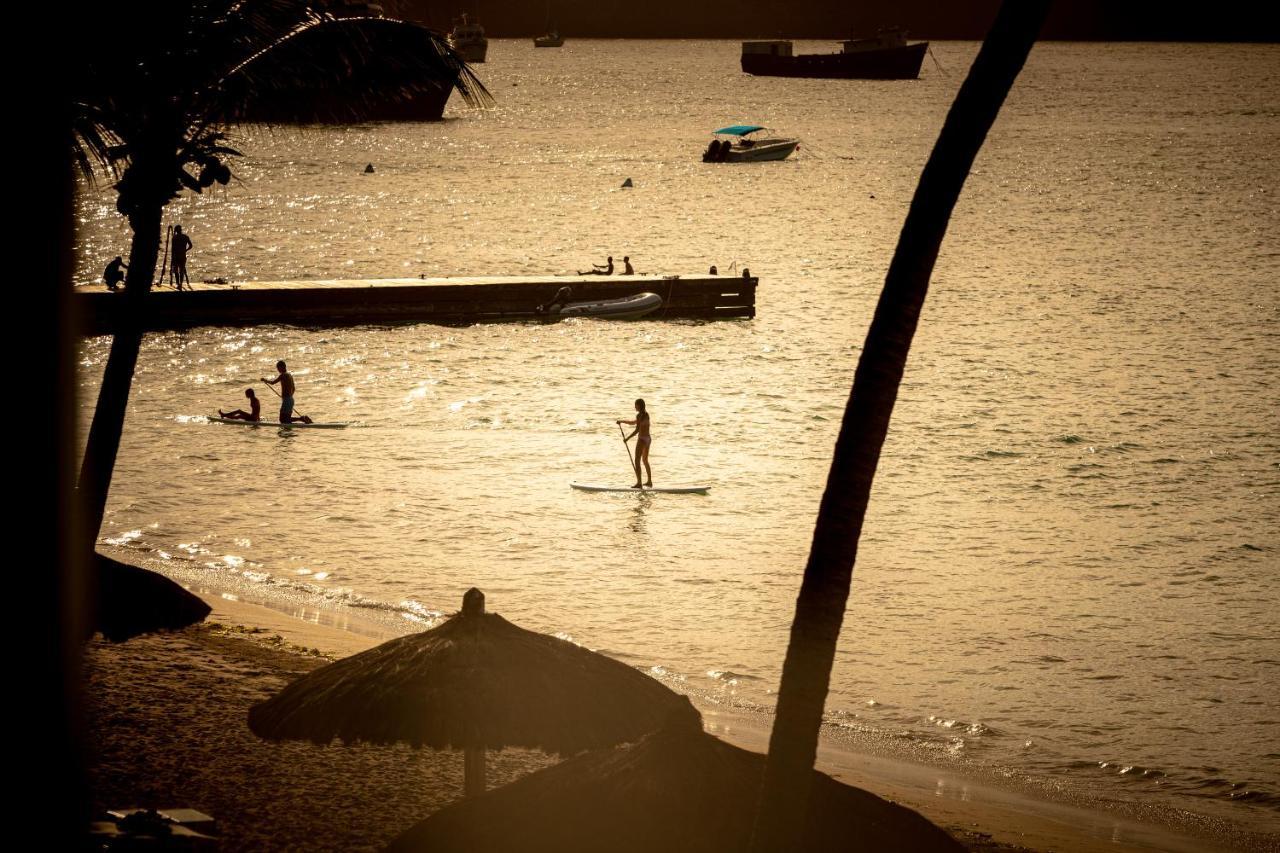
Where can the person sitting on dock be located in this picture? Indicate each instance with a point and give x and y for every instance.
(607, 269)
(240, 414)
(112, 274)
(627, 268)
(287, 388)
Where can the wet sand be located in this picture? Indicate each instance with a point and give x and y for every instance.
(167, 722)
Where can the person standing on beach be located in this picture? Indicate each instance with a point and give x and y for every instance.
(240, 414)
(178, 263)
(287, 388)
(641, 424)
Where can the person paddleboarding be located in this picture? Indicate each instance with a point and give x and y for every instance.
(287, 388)
(643, 440)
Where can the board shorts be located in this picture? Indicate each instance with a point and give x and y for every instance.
(286, 409)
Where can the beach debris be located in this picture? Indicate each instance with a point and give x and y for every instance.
(475, 682)
(368, 170)
(627, 183)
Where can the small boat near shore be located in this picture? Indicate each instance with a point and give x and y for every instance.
(623, 308)
(741, 148)
(468, 39)
(887, 56)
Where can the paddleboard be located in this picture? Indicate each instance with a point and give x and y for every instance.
(276, 424)
(666, 490)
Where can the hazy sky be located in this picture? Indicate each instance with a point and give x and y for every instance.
(1231, 20)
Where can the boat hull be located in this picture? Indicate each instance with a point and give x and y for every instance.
(472, 53)
(427, 105)
(763, 152)
(896, 63)
(758, 152)
(625, 308)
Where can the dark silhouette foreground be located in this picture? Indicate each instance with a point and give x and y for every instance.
(132, 601)
(676, 789)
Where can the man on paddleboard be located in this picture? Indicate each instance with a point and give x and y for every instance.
(286, 395)
(240, 414)
(641, 424)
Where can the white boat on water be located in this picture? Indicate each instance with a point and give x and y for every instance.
(468, 40)
(740, 147)
(620, 308)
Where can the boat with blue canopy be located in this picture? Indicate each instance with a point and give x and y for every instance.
(743, 148)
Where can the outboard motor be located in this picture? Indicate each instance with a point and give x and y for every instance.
(723, 154)
(709, 156)
(557, 302)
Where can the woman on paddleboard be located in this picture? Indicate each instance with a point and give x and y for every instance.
(641, 424)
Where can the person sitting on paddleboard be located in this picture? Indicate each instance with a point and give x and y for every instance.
(286, 395)
(240, 414)
(641, 424)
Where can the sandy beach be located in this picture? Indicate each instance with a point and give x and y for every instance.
(168, 729)
(167, 716)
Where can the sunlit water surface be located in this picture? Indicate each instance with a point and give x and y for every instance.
(1069, 568)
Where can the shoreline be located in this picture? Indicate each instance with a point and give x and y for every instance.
(984, 816)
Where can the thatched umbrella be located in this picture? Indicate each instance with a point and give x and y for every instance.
(475, 682)
(677, 789)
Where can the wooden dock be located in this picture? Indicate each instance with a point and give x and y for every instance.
(447, 301)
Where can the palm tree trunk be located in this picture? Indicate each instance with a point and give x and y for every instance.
(824, 592)
(474, 771)
(113, 397)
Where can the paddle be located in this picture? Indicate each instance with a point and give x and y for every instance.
(295, 411)
(164, 264)
(634, 465)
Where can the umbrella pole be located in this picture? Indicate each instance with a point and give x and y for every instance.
(473, 771)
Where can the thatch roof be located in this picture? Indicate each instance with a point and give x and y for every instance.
(475, 681)
(128, 601)
(679, 789)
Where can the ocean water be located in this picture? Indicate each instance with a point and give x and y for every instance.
(1069, 570)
